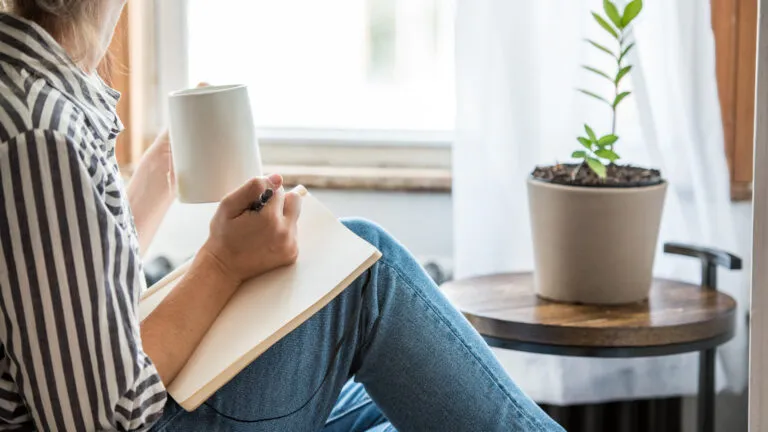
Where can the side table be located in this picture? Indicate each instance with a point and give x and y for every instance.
(677, 318)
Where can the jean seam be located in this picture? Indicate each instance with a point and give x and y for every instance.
(532, 421)
(332, 362)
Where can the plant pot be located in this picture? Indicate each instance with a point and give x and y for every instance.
(594, 245)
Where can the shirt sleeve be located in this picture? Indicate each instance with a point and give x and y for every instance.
(69, 290)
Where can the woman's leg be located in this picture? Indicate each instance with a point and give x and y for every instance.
(293, 386)
(418, 358)
(422, 362)
(356, 412)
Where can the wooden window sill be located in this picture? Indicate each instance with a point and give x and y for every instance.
(433, 180)
(366, 178)
(741, 191)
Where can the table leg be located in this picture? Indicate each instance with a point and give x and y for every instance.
(706, 400)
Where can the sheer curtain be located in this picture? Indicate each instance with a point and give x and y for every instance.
(518, 65)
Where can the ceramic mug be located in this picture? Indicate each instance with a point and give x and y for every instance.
(213, 139)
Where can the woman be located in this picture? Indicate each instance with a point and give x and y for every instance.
(75, 356)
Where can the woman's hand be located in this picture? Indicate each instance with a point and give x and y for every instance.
(151, 190)
(246, 243)
(242, 244)
(162, 159)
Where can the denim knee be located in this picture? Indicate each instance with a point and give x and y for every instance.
(394, 254)
(369, 231)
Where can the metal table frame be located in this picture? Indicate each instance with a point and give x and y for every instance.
(710, 260)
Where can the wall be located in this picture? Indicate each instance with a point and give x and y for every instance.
(424, 224)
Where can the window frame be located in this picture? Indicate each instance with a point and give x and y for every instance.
(734, 24)
(758, 336)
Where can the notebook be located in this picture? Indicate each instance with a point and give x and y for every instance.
(268, 307)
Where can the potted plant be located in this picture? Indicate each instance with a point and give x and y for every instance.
(595, 223)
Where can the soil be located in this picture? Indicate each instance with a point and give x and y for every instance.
(582, 175)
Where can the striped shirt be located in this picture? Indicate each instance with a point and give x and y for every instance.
(71, 357)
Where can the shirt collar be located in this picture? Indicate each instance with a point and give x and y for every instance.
(28, 46)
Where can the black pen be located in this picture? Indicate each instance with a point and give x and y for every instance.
(263, 200)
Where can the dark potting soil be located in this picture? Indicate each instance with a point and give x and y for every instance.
(582, 175)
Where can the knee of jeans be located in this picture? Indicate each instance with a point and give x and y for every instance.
(368, 231)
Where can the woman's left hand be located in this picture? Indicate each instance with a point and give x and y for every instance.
(152, 188)
(161, 157)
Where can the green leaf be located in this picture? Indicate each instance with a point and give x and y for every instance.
(613, 13)
(607, 140)
(599, 72)
(579, 154)
(591, 133)
(607, 154)
(600, 98)
(604, 24)
(597, 167)
(631, 12)
(620, 98)
(585, 142)
(601, 48)
(626, 51)
(623, 71)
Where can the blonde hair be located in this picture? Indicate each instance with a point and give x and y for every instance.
(71, 22)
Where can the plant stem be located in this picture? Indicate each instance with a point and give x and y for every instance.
(616, 90)
(578, 169)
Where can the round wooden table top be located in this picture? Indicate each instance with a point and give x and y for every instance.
(504, 309)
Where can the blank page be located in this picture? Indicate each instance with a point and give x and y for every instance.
(268, 307)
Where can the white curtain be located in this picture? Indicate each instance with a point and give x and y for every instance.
(518, 65)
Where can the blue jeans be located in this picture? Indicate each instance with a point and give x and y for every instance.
(390, 348)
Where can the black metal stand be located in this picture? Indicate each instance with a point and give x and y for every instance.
(707, 392)
(710, 260)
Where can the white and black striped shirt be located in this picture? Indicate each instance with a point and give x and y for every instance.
(70, 275)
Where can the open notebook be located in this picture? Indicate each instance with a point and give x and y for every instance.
(268, 307)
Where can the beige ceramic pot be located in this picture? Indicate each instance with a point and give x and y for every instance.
(594, 245)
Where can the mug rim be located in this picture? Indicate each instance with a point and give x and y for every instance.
(199, 91)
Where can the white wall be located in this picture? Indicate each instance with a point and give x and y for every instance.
(423, 222)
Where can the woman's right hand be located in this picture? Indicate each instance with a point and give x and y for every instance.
(245, 243)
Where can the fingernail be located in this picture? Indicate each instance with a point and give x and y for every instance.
(275, 178)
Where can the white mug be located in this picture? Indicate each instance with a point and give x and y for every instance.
(213, 140)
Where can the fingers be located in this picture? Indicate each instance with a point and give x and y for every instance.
(238, 201)
(276, 180)
(275, 205)
(292, 206)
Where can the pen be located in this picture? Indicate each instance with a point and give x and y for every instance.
(263, 200)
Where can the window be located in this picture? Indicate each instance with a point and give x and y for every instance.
(355, 82)
(331, 64)
(326, 77)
